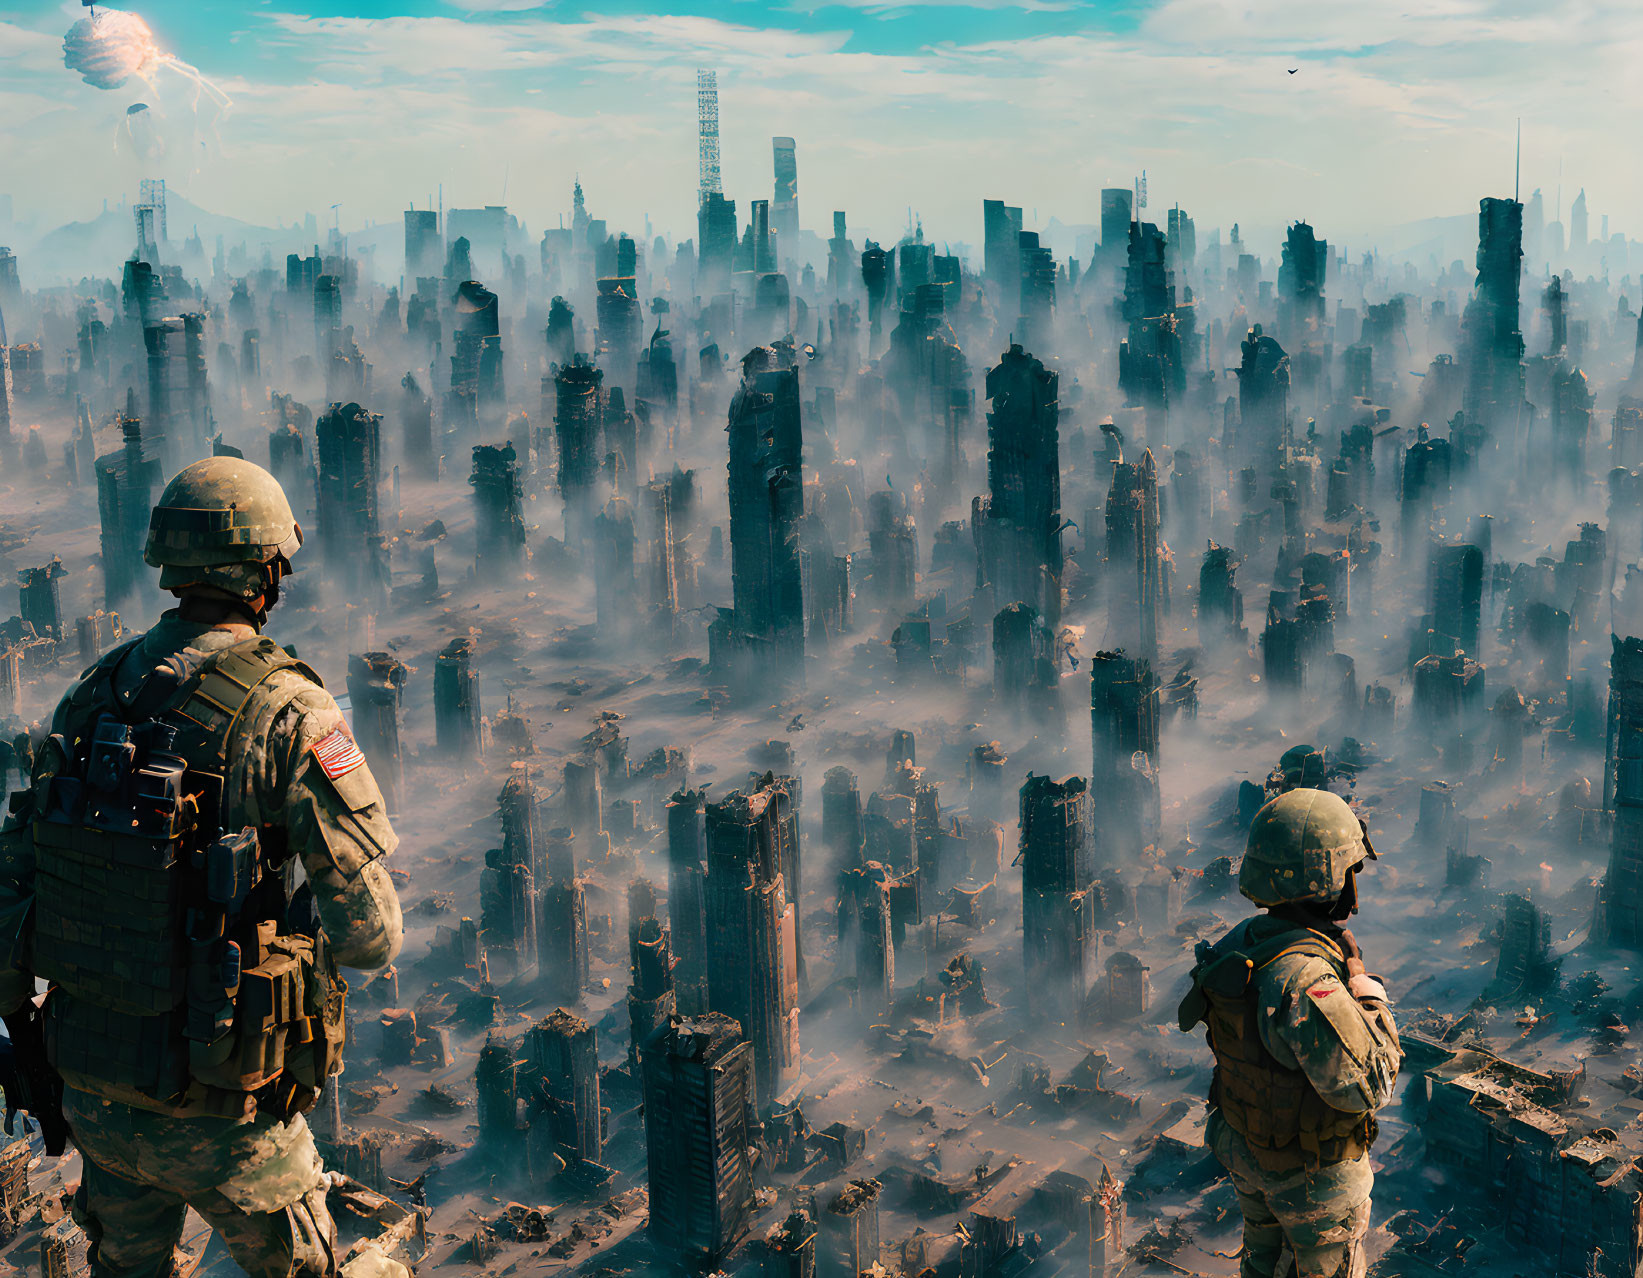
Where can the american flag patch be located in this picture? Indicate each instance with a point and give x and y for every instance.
(336, 754)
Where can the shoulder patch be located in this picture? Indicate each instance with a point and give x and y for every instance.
(336, 754)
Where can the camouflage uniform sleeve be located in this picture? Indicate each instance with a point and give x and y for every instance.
(338, 827)
(1347, 1047)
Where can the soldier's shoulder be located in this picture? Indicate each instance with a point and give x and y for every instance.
(288, 706)
(1297, 969)
(291, 702)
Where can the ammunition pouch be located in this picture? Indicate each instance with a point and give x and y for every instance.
(288, 1027)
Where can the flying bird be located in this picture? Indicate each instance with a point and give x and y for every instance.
(1293, 70)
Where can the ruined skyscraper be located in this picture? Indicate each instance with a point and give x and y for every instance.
(652, 997)
(1135, 556)
(1124, 732)
(179, 400)
(1620, 898)
(1301, 284)
(1455, 597)
(698, 1094)
(752, 952)
(39, 600)
(1493, 399)
(126, 482)
(1058, 925)
(1220, 602)
(559, 1079)
(456, 701)
(1263, 399)
(376, 690)
(348, 453)
(1018, 525)
(759, 641)
(1149, 361)
(580, 428)
(716, 232)
(476, 359)
(499, 519)
(687, 898)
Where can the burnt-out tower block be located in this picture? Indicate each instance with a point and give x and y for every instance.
(698, 1092)
(348, 453)
(39, 601)
(1490, 335)
(651, 997)
(561, 1082)
(687, 898)
(759, 641)
(376, 689)
(1621, 896)
(1018, 524)
(848, 1232)
(496, 1082)
(499, 513)
(752, 953)
(1220, 602)
(1135, 562)
(456, 700)
(1058, 927)
(580, 430)
(842, 829)
(1124, 720)
(1455, 597)
(126, 482)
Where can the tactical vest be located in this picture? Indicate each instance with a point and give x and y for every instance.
(181, 978)
(1275, 1109)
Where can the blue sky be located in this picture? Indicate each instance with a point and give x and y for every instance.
(1396, 112)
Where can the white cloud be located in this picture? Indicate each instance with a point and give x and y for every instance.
(880, 8)
(1395, 114)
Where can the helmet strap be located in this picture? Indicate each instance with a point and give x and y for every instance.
(1346, 904)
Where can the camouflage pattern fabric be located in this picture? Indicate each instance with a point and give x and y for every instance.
(339, 830)
(1347, 1048)
(258, 1183)
(1319, 1215)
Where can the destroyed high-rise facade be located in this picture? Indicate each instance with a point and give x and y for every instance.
(1058, 923)
(1018, 525)
(752, 943)
(1135, 556)
(759, 640)
(698, 1098)
(348, 457)
(1493, 400)
(1124, 731)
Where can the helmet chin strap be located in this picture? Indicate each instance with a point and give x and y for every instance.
(1346, 904)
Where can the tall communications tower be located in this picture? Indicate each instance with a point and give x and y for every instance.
(707, 122)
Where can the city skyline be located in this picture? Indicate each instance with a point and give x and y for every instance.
(1386, 120)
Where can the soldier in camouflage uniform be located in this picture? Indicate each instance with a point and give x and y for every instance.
(1305, 1048)
(224, 1136)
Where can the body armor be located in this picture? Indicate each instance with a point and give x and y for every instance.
(186, 976)
(1274, 1108)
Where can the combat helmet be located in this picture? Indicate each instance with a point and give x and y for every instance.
(222, 522)
(1301, 847)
